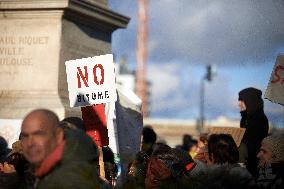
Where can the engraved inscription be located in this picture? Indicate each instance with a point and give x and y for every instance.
(14, 50)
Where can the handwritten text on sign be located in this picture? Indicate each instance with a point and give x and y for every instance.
(91, 80)
(275, 89)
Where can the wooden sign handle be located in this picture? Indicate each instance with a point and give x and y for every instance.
(101, 162)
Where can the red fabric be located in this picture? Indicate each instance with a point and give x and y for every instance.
(50, 161)
(95, 122)
(190, 166)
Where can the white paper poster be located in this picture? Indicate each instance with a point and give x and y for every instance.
(275, 89)
(91, 80)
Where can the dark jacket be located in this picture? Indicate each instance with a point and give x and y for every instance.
(16, 181)
(226, 176)
(4, 150)
(271, 176)
(256, 124)
(76, 168)
(10, 181)
(137, 172)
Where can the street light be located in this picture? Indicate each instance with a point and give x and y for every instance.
(210, 72)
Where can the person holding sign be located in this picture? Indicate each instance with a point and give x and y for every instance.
(255, 122)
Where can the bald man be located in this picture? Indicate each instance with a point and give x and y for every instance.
(62, 158)
(40, 135)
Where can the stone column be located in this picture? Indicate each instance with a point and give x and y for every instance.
(36, 38)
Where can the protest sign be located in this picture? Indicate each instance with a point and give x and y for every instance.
(235, 132)
(275, 89)
(91, 80)
(125, 125)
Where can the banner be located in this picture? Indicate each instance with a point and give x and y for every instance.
(91, 80)
(275, 89)
(235, 132)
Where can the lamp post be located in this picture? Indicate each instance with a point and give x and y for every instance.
(206, 77)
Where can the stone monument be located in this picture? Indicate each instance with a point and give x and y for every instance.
(36, 38)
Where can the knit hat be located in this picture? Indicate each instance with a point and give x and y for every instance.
(275, 143)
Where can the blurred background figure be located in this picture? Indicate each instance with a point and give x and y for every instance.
(202, 149)
(166, 167)
(271, 162)
(4, 150)
(256, 124)
(137, 169)
(222, 149)
(189, 145)
(224, 169)
(109, 165)
(149, 138)
(16, 171)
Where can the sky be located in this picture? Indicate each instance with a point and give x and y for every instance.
(241, 39)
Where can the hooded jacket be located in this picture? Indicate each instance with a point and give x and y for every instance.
(256, 124)
(70, 165)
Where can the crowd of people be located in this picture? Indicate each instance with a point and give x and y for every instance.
(54, 154)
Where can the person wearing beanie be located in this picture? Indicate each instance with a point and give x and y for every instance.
(271, 164)
(255, 122)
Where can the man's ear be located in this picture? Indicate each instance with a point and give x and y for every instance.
(59, 135)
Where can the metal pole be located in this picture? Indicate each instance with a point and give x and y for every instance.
(202, 95)
(142, 54)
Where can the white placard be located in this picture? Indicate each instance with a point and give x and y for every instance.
(275, 89)
(91, 80)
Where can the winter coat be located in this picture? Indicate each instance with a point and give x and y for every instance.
(75, 169)
(256, 124)
(11, 181)
(224, 176)
(229, 176)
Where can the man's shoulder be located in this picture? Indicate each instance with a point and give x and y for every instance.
(72, 175)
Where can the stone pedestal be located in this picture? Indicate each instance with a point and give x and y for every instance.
(36, 38)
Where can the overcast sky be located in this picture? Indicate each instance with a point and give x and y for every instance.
(240, 37)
